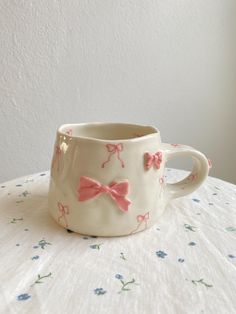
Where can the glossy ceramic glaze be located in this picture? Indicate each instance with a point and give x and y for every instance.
(88, 158)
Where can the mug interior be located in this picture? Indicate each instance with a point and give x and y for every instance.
(107, 131)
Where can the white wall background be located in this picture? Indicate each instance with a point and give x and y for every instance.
(169, 63)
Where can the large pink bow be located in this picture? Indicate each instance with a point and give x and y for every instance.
(114, 149)
(89, 188)
(153, 159)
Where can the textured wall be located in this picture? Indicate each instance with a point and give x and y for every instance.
(167, 63)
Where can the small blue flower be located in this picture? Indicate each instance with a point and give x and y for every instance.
(99, 291)
(196, 200)
(118, 276)
(161, 254)
(23, 297)
(180, 260)
(231, 256)
(35, 257)
(192, 243)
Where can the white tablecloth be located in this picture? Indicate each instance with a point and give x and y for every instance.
(184, 264)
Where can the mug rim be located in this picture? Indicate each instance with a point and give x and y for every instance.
(153, 131)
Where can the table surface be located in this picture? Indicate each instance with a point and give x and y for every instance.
(183, 264)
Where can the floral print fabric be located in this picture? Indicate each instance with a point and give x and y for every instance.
(186, 263)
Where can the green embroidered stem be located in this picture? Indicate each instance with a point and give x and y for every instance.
(189, 227)
(230, 229)
(125, 284)
(14, 220)
(96, 246)
(202, 282)
(122, 256)
(40, 278)
(42, 243)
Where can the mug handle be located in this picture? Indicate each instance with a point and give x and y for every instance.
(199, 172)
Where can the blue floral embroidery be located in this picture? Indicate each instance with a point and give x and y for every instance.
(42, 243)
(25, 193)
(161, 254)
(99, 291)
(23, 297)
(35, 257)
(180, 260)
(192, 243)
(118, 276)
(196, 200)
(231, 256)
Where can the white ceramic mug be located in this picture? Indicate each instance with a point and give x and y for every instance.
(107, 178)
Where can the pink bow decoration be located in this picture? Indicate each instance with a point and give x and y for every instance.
(153, 159)
(114, 149)
(89, 188)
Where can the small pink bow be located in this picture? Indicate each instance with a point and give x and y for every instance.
(89, 188)
(141, 218)
(153, 159)
(114, 149)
